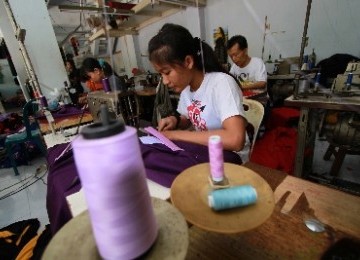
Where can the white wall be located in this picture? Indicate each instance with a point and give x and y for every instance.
(40, 43)
(333, 26)
(128, 53)
(8, 88)
(187, 17)
(63, 22)
(13, 48)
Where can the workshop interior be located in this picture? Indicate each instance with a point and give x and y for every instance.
(308, 131)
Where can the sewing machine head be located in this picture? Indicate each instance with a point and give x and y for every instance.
(121, 105)
(346, 84)
(349, 82)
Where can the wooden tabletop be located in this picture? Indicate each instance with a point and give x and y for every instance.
(281, 76)
(146, 91)
(64, 122)
(334, 102)
(284, 235)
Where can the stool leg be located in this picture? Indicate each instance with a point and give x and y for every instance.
(329, 152)
(339, 158)
(40, 144)
(12, 159)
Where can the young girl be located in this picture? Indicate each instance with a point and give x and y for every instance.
(210, 99)
(96, 70)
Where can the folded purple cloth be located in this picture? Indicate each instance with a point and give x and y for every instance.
(61, 175)
(162, 165)
(66, 110)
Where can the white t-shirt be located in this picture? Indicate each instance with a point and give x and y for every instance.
(253, 72)
(218, 98)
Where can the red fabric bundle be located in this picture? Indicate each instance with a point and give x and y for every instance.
(282, 116)
(276, 149)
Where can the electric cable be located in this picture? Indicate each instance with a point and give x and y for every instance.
(26, 184)
(21, 188)
(15, 183)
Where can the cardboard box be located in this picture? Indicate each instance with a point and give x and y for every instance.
(285, 66)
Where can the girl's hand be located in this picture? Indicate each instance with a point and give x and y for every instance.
(167, 123)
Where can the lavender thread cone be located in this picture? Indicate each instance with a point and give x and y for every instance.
(117, 195)
(216, 158)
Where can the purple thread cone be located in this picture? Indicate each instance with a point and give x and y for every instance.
(106, 84)
(216, 158)
(117, 195)
(43, 101)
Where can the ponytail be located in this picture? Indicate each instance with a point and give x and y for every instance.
(101, 63)
(210, 61)
(105, 66)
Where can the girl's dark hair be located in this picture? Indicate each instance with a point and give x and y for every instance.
(90, 64)
(174, 42)
(72, 63)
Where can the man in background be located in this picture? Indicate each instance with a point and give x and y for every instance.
(250, 71)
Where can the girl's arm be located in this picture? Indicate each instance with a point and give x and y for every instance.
(232, 134)
(173, 122)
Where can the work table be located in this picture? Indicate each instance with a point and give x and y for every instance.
(284, 235)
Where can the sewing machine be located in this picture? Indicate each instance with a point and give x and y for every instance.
(332, 113)
(121, 105)
(344, 85)
(305, 84)
(349, 82)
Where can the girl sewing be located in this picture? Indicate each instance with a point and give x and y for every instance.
(210, 99)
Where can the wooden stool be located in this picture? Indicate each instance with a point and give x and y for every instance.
(339, 155)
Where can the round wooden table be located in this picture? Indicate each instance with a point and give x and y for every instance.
(75, 240)
(189, 193)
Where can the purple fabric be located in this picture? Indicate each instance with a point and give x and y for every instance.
(162, 166)
(62, 181)
(4, 116)
(64, 111)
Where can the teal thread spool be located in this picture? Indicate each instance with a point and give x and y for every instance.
(237, 196)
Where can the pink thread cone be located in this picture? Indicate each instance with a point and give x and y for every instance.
(216, 158)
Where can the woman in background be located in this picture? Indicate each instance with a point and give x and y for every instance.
(96, 70)
(210, 99)
(75, 81)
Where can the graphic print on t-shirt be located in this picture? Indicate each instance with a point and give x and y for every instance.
(194, 112)
(244, 79)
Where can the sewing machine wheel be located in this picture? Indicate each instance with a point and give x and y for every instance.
(341, 128)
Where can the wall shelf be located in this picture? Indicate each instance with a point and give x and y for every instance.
(145, 13)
